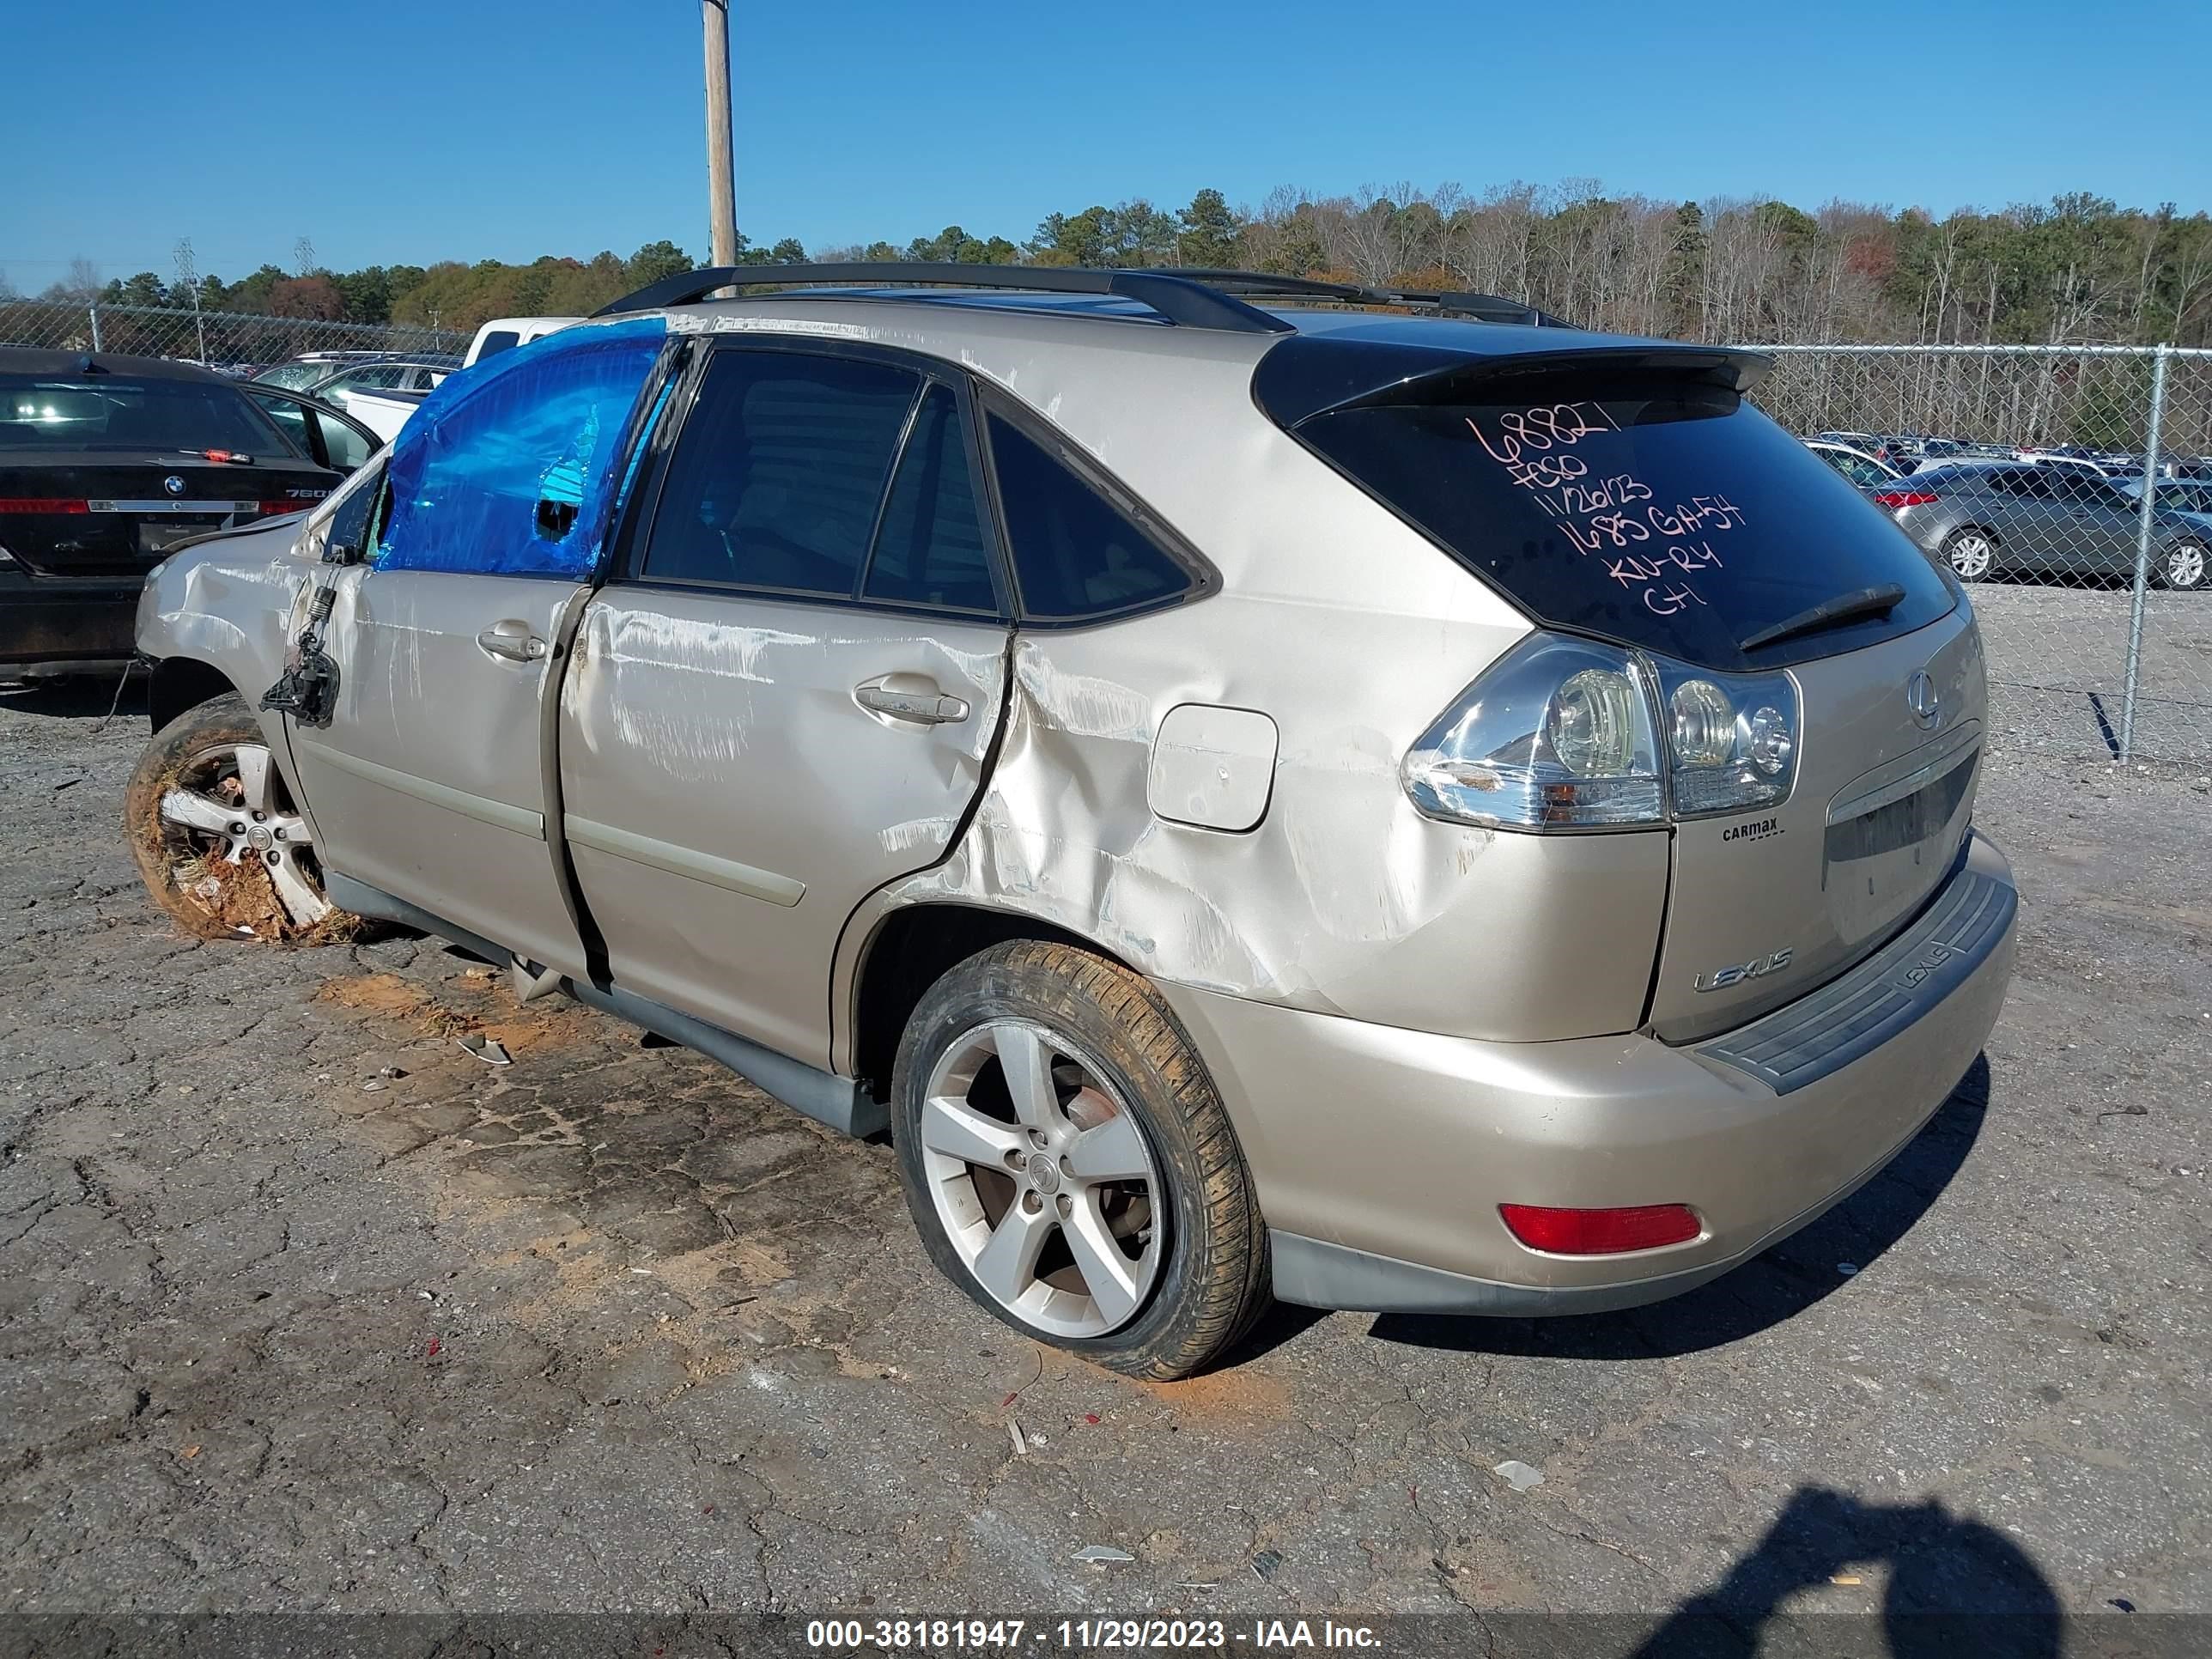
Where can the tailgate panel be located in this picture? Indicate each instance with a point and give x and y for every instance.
(1768, 905)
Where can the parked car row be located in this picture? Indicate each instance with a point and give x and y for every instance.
(107, 461)
(2055, 517)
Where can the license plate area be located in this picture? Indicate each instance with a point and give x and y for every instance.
(1880, 863)
(159, 537)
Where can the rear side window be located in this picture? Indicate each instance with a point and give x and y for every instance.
(776, 479)
(1076, 557)
(1656, 510)
(499, 340)
(930, 550)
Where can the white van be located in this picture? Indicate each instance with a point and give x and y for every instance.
(504, 333)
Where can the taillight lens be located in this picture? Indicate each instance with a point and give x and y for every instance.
(41, 504)
(1893, 499)
(1569, 734)
(1600, 1232)
(1558, 734)
(1731, 738)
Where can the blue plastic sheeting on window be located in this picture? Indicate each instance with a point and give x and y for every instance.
(511, 467)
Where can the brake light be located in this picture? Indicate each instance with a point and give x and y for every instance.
(269, 509)
(41, 504)
(1893, 499)
(1600, 1232)
(1566, 733)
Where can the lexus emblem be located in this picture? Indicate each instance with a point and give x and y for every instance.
(1922, 699)
(173, 485)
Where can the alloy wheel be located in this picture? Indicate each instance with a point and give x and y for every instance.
(1042, 1179)
(2184, 565)
(226, 814)
(1970, 555)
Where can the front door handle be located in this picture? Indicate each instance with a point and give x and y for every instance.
(513, 641)
(909, 697)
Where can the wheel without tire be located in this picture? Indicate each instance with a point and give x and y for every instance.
(218, 839)
(2184, 567)
(1070, 1165)
(1971, 553)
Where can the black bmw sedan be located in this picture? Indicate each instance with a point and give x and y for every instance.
(106, 462)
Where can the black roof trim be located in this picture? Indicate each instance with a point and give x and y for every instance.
(1172, 296)
(1483, 307)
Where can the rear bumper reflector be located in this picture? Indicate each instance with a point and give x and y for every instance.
(1600, 1232)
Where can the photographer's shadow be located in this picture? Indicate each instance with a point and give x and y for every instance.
(1955, 1587)
(1770, 1288)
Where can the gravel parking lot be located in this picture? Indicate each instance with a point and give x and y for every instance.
(306, 1308)
(2058, 667)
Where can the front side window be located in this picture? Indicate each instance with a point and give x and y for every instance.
(782, 464)
(511, 471)
(1076, 557)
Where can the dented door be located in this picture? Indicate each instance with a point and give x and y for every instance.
(738, 774)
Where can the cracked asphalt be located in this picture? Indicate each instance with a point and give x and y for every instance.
(304, 1306)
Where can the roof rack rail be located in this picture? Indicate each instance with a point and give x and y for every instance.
(1190, 298)
(1174, 297)
(1484, 307)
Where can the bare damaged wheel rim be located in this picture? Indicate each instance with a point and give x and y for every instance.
(2184, 565)
(1042, 1179)
(1970, 554)
(227, 807)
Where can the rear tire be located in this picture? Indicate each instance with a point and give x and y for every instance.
(1971, 553)
(218, 840)
(1049, 1108)
(2183, 569)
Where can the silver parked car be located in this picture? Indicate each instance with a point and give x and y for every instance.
(2063, 522)
(1436, 811)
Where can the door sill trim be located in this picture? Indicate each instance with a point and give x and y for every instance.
(836, 1102)
(517, 820)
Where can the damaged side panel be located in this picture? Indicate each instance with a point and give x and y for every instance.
(729, 800)
(1343, 900)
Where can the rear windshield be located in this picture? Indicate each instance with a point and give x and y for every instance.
(1654, 510)
(108, 411)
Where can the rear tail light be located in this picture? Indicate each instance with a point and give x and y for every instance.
(1600, 1232)
(41, 504)
(1569, 734)
(269, 508)
(1893, 499)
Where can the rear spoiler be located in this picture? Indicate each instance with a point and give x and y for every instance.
(1311, 375)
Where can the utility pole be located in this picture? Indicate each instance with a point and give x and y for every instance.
(721, 186)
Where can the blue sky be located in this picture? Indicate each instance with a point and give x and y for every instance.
(472, 129)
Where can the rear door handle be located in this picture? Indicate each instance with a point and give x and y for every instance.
(909, 697)
(513, 641)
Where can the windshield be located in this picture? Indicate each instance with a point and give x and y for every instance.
(1654, 509)
(113, 411)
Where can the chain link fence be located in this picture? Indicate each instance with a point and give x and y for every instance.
(2072, 487)
(227, 341)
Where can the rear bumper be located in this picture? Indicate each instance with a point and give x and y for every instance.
(58, 627)
(1381, 1155)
